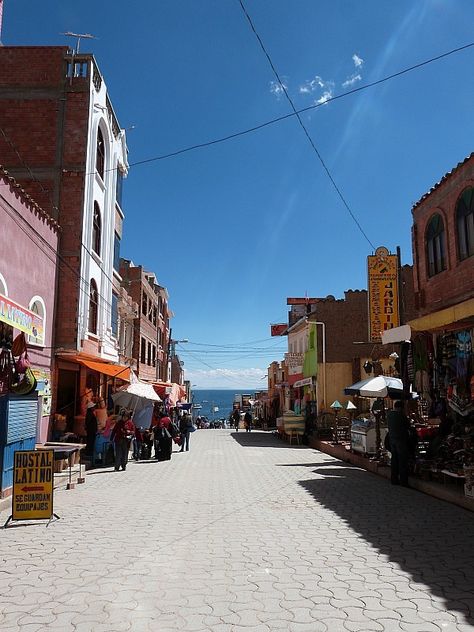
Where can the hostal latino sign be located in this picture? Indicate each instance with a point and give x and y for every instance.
(383, 293)
(33, 474)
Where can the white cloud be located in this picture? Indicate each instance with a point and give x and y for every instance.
(350, 81)
(278, 89)
(324, 98)
(358, 61)
(227, 378)
(314, 84)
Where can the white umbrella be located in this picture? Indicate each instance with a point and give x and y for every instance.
(379, 386)
(135, 396)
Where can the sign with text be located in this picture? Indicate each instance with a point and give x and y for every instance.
(383, 293)
(33, 476)
(279, 329)
(21, 318)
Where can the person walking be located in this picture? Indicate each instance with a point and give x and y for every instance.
(248, 421)
(398, 433)
(185, 430)
(163, 439)
(119, 438)
(236, 419)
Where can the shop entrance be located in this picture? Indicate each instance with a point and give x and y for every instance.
(67, 394)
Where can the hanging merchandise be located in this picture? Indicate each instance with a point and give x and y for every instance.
(25, 383)
(6, 371)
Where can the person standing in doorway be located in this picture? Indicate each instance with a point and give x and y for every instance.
(398, 432)
(91, 429)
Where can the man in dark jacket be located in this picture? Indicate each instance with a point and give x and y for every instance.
(398, 432)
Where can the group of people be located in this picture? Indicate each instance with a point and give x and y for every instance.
(235, 420)
(125, 435)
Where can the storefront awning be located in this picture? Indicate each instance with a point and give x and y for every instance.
(445, 317)
(114, 370)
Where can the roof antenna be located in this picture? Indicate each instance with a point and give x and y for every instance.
(79, 37)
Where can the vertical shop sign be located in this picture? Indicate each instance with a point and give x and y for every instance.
(383, 293)
(33, 475)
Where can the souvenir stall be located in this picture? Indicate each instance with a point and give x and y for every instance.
(19, 403)
(441, 366)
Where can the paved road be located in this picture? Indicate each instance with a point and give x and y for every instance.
(242, 534)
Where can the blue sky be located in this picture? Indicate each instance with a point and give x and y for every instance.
(233, 229)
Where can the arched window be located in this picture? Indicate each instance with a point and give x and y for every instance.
(38, 307)
(435, 245)
(465, 224)
(100, 154)
(93, 307)
(3, 286)
(96, 229)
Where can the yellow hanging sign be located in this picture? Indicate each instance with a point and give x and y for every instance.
(383, 293)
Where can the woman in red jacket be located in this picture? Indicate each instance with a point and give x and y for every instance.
(163, 439)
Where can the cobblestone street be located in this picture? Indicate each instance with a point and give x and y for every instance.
(243, 533)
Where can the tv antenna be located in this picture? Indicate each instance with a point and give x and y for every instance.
(79, 37)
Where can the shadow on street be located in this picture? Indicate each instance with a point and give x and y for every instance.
(431, 540)
(261, 439)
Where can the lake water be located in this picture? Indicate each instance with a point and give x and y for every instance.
(222, 398)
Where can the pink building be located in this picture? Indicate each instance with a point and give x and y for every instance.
(28, 268)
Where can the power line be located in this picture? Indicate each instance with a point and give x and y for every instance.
(303, 126)
(308, 108)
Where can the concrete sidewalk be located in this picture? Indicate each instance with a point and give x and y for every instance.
(246, 534)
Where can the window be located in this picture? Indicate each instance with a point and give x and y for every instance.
(119, 187)
(93, 307)
(116, 252)
(3, 286)
(96, 229)
(435, 245)
(465, 224)
(38, 307)
(100, 154)
(144, 304)
(154, 315)
(153, 355)
(143, 351)
(149, 354)
(115, 318)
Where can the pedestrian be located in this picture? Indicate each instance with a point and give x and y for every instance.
(236, 419)
(185, 430)
(118, 437)
(248, 421)
(137, 443)
(398, 433)
(163, 439)
(91, 429)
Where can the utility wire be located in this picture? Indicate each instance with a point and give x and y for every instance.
(308, 108)
(303, 126)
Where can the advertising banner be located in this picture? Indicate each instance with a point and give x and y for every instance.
(21, 318)
(383, 293)
(33, 476)
(278, 330)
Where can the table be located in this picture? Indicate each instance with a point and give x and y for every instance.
(68, 449)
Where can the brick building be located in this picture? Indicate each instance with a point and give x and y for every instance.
(61, 140)
(443, 255)
(443, 241)
(340, 338)
(151, 326)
